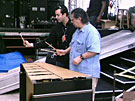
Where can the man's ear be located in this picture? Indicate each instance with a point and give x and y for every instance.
(65, 14)
(80, 18)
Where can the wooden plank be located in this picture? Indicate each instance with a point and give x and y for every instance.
(62, 72)
(44, 77)
(40, 73)
(58, 72)
(35, 70)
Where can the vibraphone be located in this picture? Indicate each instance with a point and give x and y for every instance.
(46, 82)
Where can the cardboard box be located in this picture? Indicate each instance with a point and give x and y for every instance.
(106, 23)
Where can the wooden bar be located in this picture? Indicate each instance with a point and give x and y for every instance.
(55, 70)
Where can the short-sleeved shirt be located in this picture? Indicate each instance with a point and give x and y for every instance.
(84, 40)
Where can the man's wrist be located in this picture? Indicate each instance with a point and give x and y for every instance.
(81, 56)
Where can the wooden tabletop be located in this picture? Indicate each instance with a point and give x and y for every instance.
(39, 71)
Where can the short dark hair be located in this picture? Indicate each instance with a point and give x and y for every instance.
(63, 9)
(79, 12)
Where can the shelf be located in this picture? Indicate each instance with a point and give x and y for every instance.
(18, 47)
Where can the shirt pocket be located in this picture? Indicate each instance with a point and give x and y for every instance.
(80, 47)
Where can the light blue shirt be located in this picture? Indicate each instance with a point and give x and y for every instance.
(84, 40)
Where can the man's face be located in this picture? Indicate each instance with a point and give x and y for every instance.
(59, 15)
(75, 21)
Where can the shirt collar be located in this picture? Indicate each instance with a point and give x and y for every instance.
(83, 29)
(68, 23)
(80, 30)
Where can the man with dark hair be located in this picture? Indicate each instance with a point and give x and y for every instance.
(96, 10)
(60, 35)
(84, 48)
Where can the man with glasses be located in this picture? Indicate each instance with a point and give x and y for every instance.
(84, 48)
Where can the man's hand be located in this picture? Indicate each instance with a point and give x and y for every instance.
(77, 60)
(27, 44)
(61, 52)
(98, 19)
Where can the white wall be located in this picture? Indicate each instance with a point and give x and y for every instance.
(123, 4)
(80, 3)
(126, 4)
(83, 4)
(66, 3)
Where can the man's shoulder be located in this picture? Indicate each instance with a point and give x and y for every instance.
(57, 26)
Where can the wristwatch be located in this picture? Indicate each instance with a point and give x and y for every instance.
(82, 57)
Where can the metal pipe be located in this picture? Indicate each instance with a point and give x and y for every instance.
(62, 93)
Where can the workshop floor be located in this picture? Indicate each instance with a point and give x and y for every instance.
(12, 96)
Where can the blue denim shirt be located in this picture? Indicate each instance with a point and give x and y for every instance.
(84, 40)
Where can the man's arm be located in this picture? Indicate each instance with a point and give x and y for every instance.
(101, 11)
(86, 55)
(51, 39)
(39, 44)
(62, 52)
